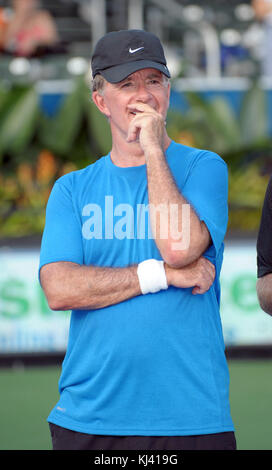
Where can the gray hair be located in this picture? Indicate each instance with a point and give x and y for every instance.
(98, 83)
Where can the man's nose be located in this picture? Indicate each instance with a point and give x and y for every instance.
(142, 93)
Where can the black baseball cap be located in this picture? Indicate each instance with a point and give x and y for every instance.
(120, 53)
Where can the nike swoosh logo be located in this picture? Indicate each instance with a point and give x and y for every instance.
(131, 51)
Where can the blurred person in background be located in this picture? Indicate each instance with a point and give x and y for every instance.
(264, 254)
(263, 12)
(145, 366)
(26, 28)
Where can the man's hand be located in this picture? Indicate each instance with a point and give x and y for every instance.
(148, 127)
(199, 275)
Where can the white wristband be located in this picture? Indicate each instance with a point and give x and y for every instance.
(151, 275)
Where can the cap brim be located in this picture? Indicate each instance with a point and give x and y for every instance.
(120, 72)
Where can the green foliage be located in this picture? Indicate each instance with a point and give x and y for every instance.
(214, 125)
(77, 128)
(18, 114)
(59, 133)
(218, 120)
(36, 149)
(253, 116)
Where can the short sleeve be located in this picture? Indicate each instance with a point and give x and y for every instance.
(62, 238)
(264, 239)
(206, 189)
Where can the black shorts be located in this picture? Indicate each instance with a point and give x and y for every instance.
(65, 439)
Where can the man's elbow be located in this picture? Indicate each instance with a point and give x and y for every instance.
(266, 308)
(55, 303)
(177, 257)
(181, 253)
(264, 305)
(55, 307)
(66, 301)
(58, 296)
(54, 296)
(263, 294)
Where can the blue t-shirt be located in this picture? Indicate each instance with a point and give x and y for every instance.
(154, 364)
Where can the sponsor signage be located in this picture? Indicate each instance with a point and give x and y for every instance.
(244, 322)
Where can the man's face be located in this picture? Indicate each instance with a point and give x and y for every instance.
(144, 86)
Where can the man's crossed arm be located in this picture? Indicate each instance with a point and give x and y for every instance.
(70, 286)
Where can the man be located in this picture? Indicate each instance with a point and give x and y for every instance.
(264, 255)
(28, 29)
(263, 12)
(145, 365)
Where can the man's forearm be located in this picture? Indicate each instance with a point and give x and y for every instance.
(168, 218)
(69, 286)
(264, 292)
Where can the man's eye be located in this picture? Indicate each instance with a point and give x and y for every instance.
(126, 85)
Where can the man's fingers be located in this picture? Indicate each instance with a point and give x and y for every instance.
(133, 133)
(142, 107)
(196, 290)
(201, 289)
(147, 118)
(135, 126)
(206, 277)
(134, 129)
(208, 267)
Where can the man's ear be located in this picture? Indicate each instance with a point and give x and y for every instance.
(99, 101)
